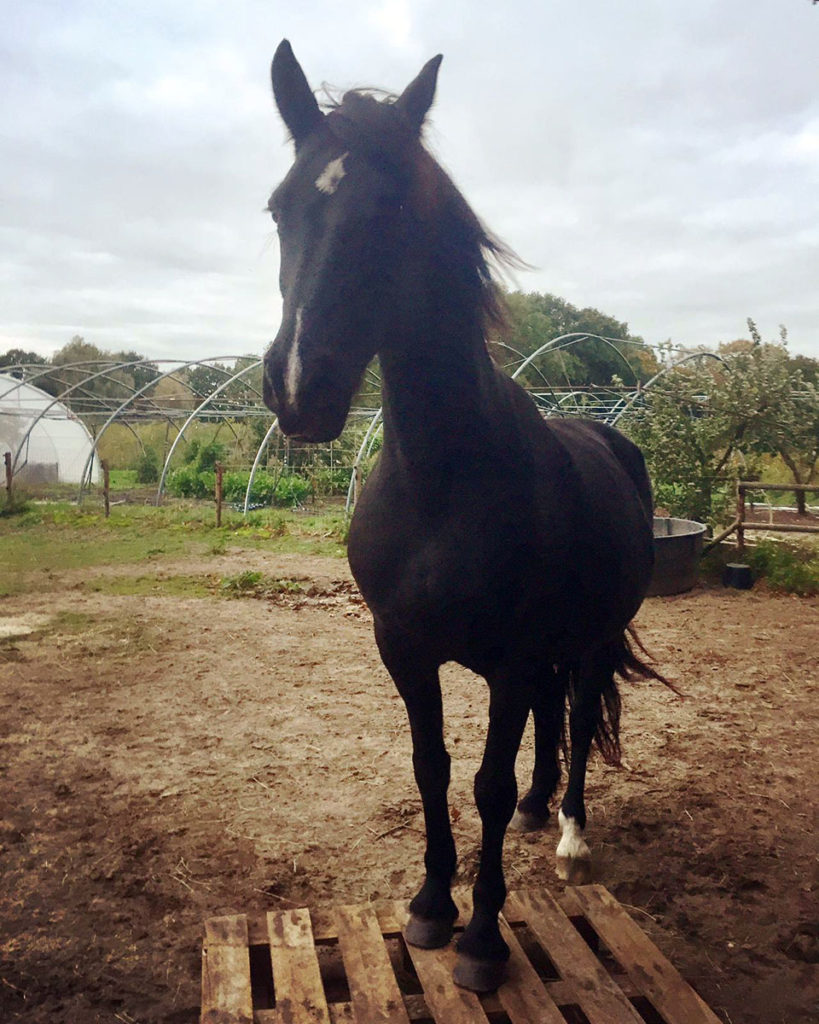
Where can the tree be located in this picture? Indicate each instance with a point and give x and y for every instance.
(786, 418)
(18, 356)
(704, 423)
(686, 441)
(534, 319)
(95, 385)
(142, 373)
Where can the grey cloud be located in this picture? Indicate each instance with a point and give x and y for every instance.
(657, 161)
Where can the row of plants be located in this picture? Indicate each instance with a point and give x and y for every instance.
(268, 489)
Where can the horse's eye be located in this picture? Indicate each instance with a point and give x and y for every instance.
(272, 209)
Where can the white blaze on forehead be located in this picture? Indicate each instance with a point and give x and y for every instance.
(330, 178)
(292, 374)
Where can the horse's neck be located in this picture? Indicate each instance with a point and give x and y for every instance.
(440, 395)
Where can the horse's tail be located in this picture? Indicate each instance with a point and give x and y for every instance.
(598, 691)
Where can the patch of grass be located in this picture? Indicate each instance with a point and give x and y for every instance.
(786, 566)
(72, 623)
(146, 586)
(256, 584)
(58, 536)
(123, 479)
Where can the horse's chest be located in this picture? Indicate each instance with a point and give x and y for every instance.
(458, 585)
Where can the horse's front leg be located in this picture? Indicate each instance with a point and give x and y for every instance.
(482, 952)
(432, 911)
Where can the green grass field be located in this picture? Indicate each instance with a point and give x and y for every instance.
(58, 536)
(54, 536)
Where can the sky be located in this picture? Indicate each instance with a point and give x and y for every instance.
(658, 161)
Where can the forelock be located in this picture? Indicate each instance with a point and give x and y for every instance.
(378, 130)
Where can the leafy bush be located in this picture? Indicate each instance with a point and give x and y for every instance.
(147, 466)
(188, 482)
(18, 507)
(332, 481)
(292, 490)
(205, 455)
(789, 567)
(284, 491)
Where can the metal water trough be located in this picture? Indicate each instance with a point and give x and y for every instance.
(677, 550)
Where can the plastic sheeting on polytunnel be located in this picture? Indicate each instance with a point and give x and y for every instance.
(48, 443)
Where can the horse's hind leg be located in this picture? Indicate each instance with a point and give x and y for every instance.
(547, 710)
(432, 911)
(595, 691)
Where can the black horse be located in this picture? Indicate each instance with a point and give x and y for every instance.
(485, 535)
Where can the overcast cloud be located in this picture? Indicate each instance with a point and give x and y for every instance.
(657, 160)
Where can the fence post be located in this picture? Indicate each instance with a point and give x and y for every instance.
(9, 478)
(218, 467)
(740, 518)
(106, 487)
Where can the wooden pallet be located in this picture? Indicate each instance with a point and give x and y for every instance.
(582, 961)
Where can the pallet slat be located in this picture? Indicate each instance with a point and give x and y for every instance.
(664, 986)
(363, 987)
(374, 992)
(226, 993)
(300, 995)
(434, 967)
(523, 996)
(595, 991)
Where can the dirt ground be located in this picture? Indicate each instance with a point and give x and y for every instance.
(166, 758)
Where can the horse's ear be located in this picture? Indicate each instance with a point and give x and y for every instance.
(294, 98)
(415, 101)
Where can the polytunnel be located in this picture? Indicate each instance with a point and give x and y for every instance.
(47, 441)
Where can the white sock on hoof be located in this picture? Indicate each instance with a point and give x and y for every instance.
(572, 845)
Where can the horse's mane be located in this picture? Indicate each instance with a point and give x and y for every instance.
(467, 251)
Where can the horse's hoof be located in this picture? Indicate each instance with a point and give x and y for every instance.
(478, 975)
(524, 821)
(427, 932)
(574, 870)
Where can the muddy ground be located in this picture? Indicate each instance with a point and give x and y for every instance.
(169, 757)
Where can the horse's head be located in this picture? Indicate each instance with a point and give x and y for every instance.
(343, 221)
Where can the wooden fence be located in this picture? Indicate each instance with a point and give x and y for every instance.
(741, 523)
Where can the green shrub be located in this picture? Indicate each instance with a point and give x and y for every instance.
(204, 455)
(284, 491)
(789, 567)
(147, 466)
(292, 490)
(332, 481)
(188, 482)
(234, 487)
